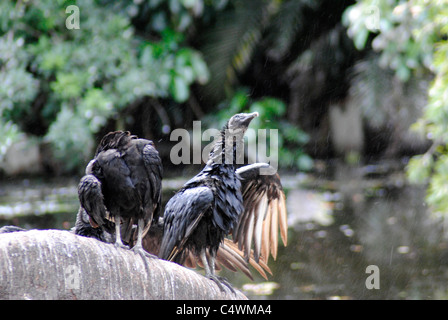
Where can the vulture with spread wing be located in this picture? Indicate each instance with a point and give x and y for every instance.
(205, 210)
(221, 200)
(255, 235)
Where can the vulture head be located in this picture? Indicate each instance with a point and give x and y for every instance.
(240, 122)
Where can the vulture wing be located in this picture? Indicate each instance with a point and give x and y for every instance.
(154, 171)
(232, 250)
(230, 257)
(117, 179)
(264, 212)
(91, 199)
(182, 214)
(83, 227)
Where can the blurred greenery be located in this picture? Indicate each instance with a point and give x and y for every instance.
(65, 85)
(69, 86)
(153, 65)
(411, 38)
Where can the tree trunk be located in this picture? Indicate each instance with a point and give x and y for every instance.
(56, 264)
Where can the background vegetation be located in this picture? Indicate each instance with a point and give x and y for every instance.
(411, 40)
(152, 65)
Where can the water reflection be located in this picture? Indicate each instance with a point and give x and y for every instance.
(339, 223)
(379, 221)
(39, 204)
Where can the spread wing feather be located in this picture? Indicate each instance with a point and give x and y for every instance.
(230, 257)
(264, 213)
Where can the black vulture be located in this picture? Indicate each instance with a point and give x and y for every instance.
(263, 217)
(206, 209)
(123, 185)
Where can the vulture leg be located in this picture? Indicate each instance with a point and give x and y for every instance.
(138, 248)
(118, 242)
(209, 266)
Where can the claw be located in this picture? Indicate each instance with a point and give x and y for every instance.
(142, 252)
(120, 245)
(220, 281)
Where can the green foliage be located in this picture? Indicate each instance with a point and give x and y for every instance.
(403, 31)
(438, 187)
(178, 15)
(188, 67)
(74, 81)
(69, 136)
(435, 118)
(10, 134)
(248, 27)
(419, 168)
(291, 138)
(411, 39)
(66, 85)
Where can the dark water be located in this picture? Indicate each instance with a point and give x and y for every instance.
(376, 219)
(340, 223)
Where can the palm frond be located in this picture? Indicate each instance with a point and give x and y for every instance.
(286, 24)
(229, 44)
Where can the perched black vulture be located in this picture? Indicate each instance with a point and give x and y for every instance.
(207, 208)
(263, 217)
(123, 185)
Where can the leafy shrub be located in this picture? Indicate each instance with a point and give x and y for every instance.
(64, 85)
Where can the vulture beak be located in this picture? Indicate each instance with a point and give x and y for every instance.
(249, 117)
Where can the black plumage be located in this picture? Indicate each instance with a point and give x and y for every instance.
(255, 235)
(83, 227)
(206, 209)
(123, 185)
(10, 229)
(264, 211)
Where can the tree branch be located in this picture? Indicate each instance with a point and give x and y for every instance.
(56, 264)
